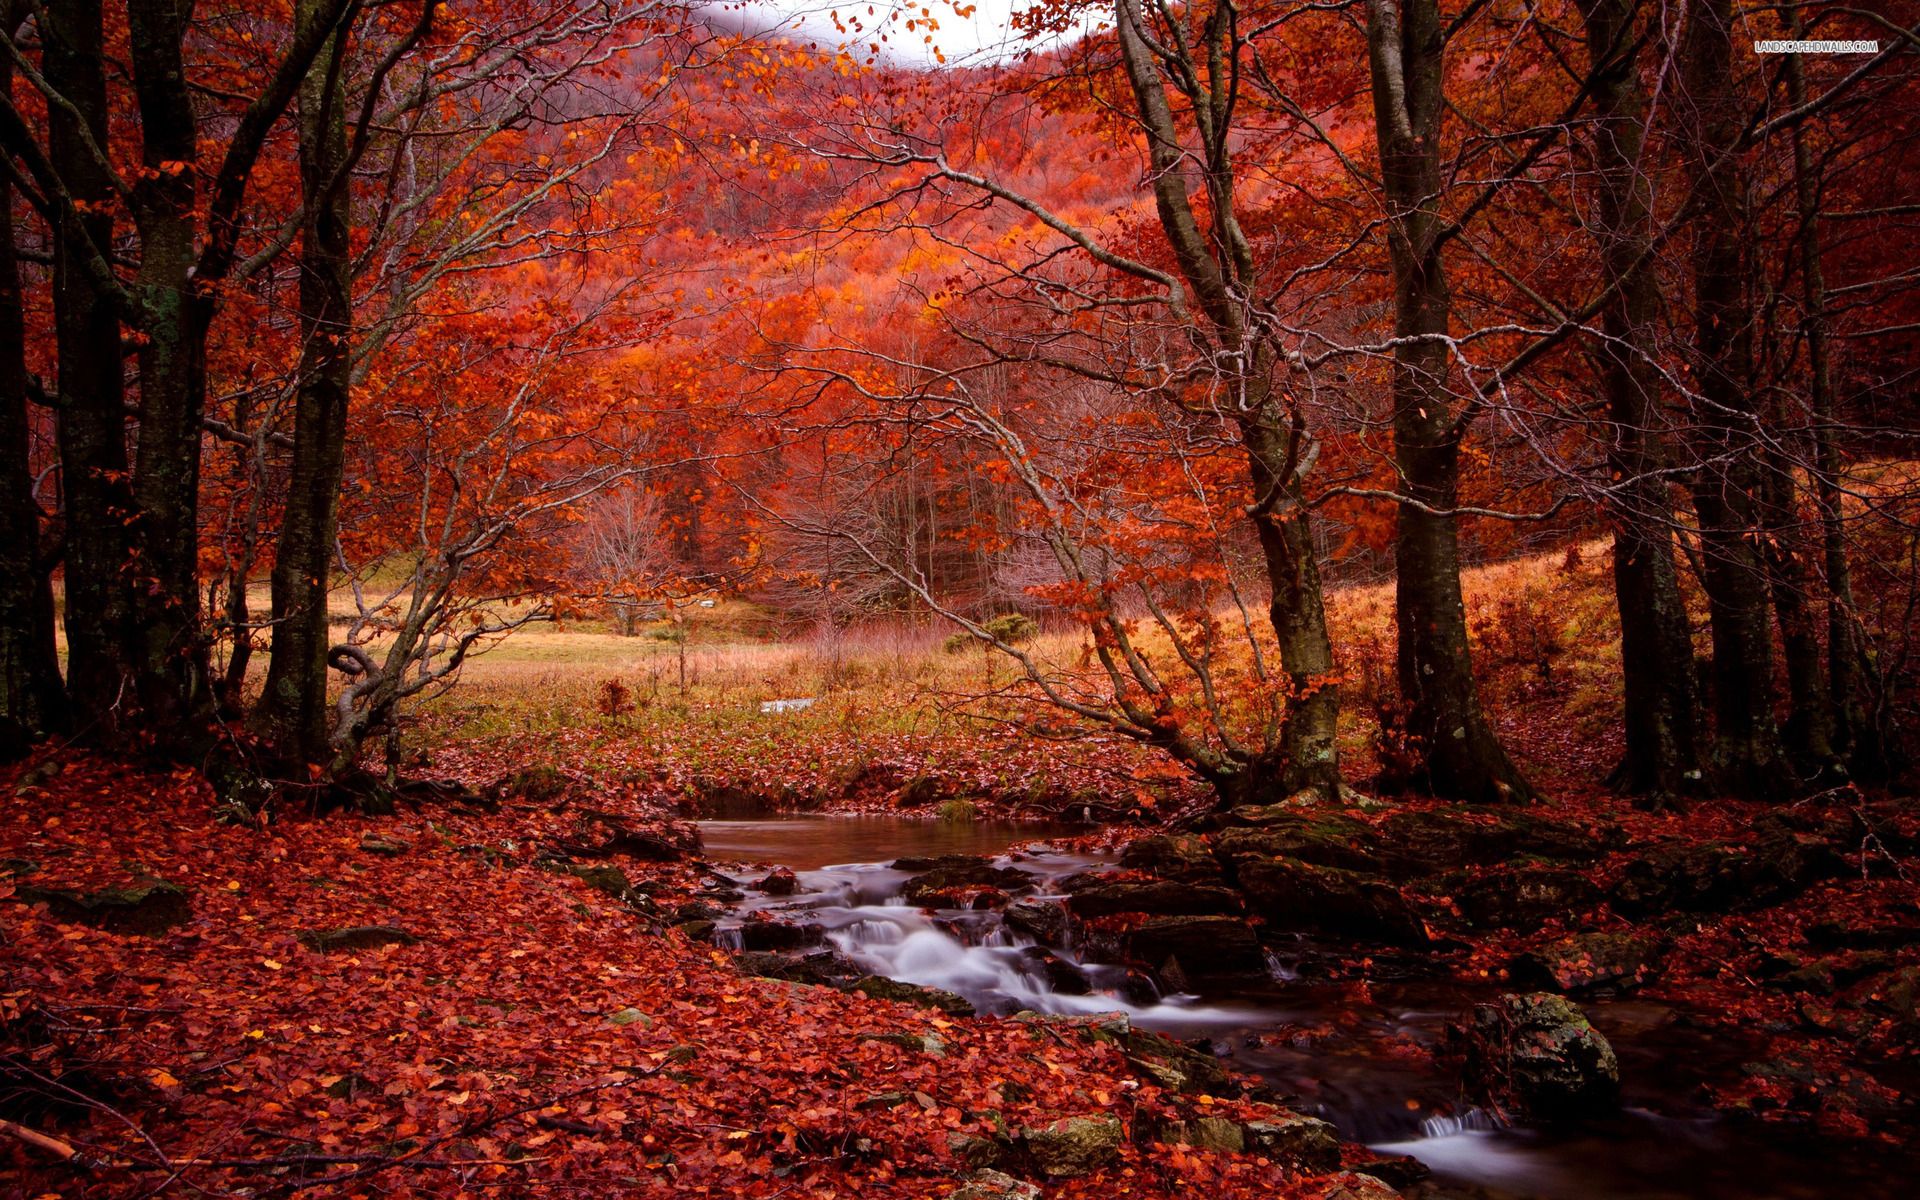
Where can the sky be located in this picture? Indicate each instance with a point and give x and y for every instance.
(983, 35)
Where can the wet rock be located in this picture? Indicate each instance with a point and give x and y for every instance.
(994, 1185)
(824, 967)
(1418, 841)
(1356, 1186)
(1180, 858)
(1061, 976)
(151, 907)
(1074, 1146)
(610, 880)
(940, 862)
(945, 887)
(698, 910)
(1044, 921)
(1290, 1137)
(1096, 895)
(1536, 1054)
(1093, 1027)
(1202, 947)
(778, 882)
(1326, 839)
(697, 930)
(1398, 1173)
(1586, 962)
(355, 938)
(1298, 896)
(1525, 896)
(778, 935)
(879, 987)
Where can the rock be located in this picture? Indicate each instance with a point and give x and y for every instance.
(879, 987)
(1352, 1185)
(1399, 1173)
(1525, 896)
(698, 910)
(983, 1150)
(669, 842)
(1181, 858)
(375, 844)
(994, 1185)
(939, 862)
(778, 882)
(944, 887)
(1837, 935)
(1044, 921)
(1587, 961)
(824, 967)
(1718, 876)
(631, 1016)
(1292, 1138)
(1202, 947)
(1094, 895)
(147, 908)
(1294, 895)
(611, 880)
(766, 934)
(1093, 1027)
(1419, 841)
(697, 931)
(1324, 839)
(1174, 1066)
(355, 938)
(1536, 1054)
(921, 1043)
(1074, 1145)
(1205, 1133)
(1062, 976)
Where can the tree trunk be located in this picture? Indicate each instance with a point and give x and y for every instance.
(1853, 736)
(95, 484)
(32, 699)
(1458, 753)
(295, 704)
(1656, 646)
(176, 308)
(1747, 746)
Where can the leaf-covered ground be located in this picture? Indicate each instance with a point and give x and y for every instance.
(536, 1038)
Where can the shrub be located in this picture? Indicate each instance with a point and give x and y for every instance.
(1011, 628)
(958, 812)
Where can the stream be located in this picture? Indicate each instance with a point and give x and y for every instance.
(1337, 1049)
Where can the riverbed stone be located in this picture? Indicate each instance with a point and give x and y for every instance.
(824, 967)
(1299, 896)
(1200, 947)
(1062, 975)
(778, 935)
(1324, 839)
(150, 907)
(1096, 895)
(879, 987)
(1174, 1065)
(781, 881)
(1074, 1146)
(943, 887)
(1536, 1053)
(1587, 962)
(1044, 921)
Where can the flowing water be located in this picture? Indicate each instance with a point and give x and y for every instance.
(1351, 1052)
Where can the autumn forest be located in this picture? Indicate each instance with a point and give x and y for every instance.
(1294, 598)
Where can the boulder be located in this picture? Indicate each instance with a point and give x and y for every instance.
(1525, 896)
(1586, 962)
(778, 882)
(1298, 896)
(604, 834)
(1062, 976)
(1206, 1133)
(1097, 895)
(945, 887)
(1044, 921)
(1074, 1145)
(1203, 947)
(1174, 1065)
(1420, 841)
(879, 987)
(1181, 858)
(1536, 1054)
(355, 938)
(150, 907)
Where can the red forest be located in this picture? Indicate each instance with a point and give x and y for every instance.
(1297, 598)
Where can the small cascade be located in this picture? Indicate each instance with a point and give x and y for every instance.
(1474, 1120)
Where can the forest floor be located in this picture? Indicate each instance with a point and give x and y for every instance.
(485, 991)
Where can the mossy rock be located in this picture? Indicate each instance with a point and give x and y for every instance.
(879, 987)
(145, 908)
(1074, 1146)
(354, 938)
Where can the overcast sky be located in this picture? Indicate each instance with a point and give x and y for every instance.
(983, 35)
